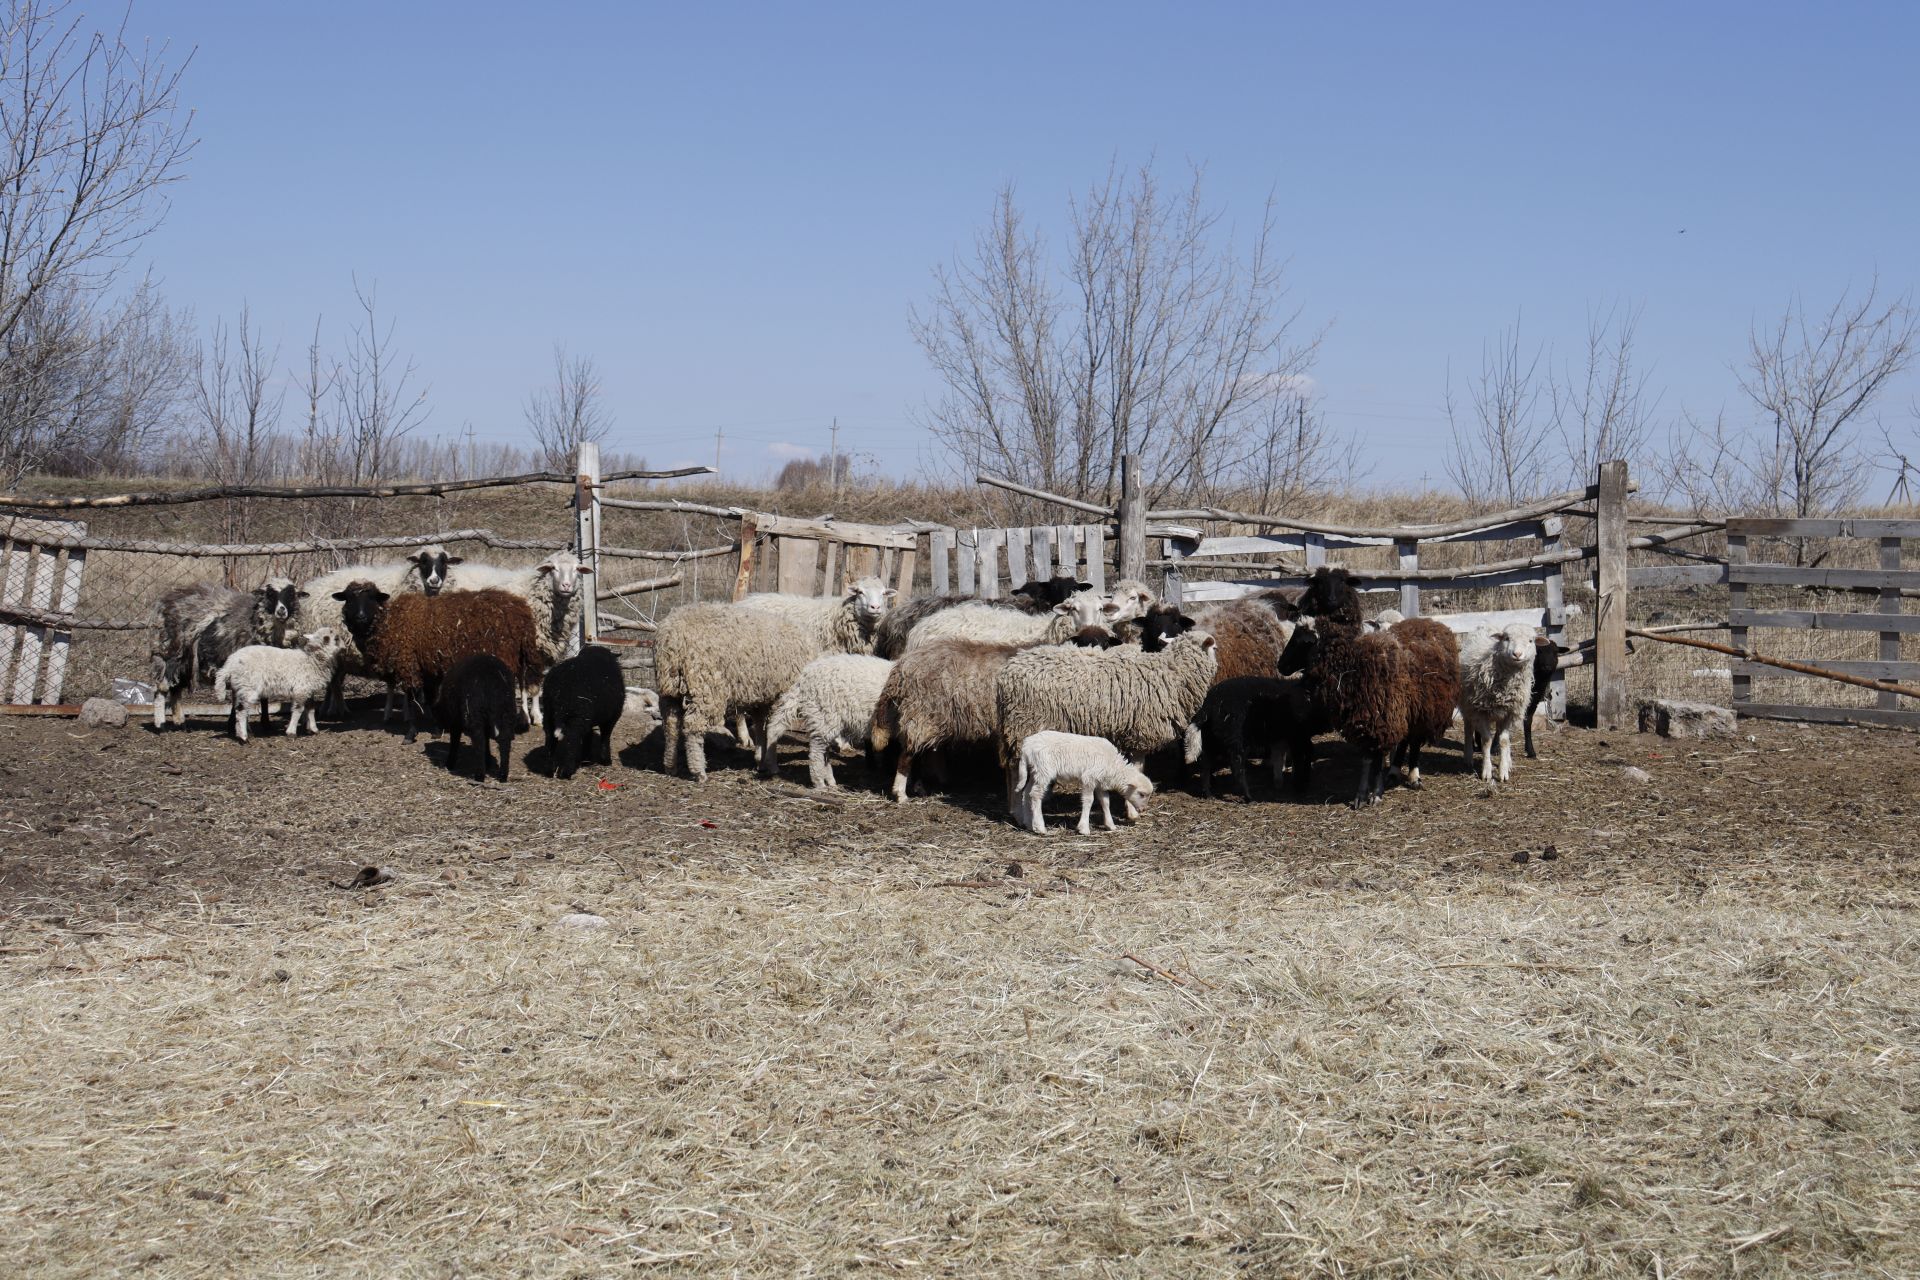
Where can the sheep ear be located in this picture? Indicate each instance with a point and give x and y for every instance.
(891, 593)
(338, 595)
(1206, 642)
(453, 560)
(301, 592)
(1083, 586)
(585, 568)
(380, 595)
(1186, 624)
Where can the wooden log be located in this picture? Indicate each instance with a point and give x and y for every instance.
(1392, 533)
(1889, 608)
(1552, 533)
(638, 588)
(1737, 605)
(1843, 527)
(586, 507)
(1653, 541)
(1075, 504)
(1829, 715)
(1653, 577)
(1133, 522)
(1872, 669)
(749, 537)
(1798, 668)
(1610, 634)
(671, 504)
(1817, 620)
(429, 489)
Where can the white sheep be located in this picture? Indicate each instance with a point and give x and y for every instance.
(832, 701)
(1384, 619)
(1496, 683)
(833, 624)
(259, 673)
(1094, 763)
(990, 624)
(552, 589)
(714, 662)
(1130, 598)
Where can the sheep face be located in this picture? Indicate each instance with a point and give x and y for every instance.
(1138, 788)
(361, 604)
(563, 570)
(1161, 625)
(1130, 599)
(278, 598)
(870, 599)
(1331, 593)
(431, 562)
(1095, 637)
(1513, 648)
(1055, 590)
(1301, 646)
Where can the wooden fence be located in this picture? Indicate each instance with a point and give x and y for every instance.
(40, 579)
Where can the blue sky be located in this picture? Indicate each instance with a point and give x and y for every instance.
(732, 207)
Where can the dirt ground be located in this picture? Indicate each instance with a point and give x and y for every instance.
(814, 1036)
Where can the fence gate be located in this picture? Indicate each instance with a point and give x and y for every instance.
(967, 561)
(38, 584)
(824, 557)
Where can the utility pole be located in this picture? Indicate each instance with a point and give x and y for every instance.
(833, 460)
(718, 435)
(473, 465)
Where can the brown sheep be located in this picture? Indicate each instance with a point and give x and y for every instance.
(421, 638)
(1248, 635)
(1358, 681)
(939, 695)
(1433, 676)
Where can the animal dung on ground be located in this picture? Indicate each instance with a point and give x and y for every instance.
(1549, 853)
(1522, 856)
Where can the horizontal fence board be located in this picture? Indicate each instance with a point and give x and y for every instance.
(1829, 715)
(1871, 670)
(870, 535)
(1815, 620)
(1845, 527)
(1787, 575)
(1676, 575)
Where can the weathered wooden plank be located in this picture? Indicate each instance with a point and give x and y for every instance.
(1551, 538)
(1173, 583)
(1788, 575)
(1844, 527)
(830, 572)
(1872, 670)
(749, 539)
(858, 561)
(68, 600)
(1018, 572)
(1737, 605)
(987, 569)
(874, 535)
(903, 573)
(13, 590)
(1253, 544)
(1610, 675)
(1829, 715)
(1648, 577)
(940, 563)
(26, 672)
(1063, 549)
(1132, 558)
(1093, 538)
(966, 551)
(1040, 538)
(1409, 553)
(1316, 550)
(797, 565)
(1889, 607)
(1816, 620)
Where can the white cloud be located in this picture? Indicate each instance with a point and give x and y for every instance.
(785, 449)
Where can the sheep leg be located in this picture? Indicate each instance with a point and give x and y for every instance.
(296, 712)
(1237, 760)
(240, 718)
(1106, 808)
(160, 697)
(179, 707)
(1087, 792)
(453, 747)
(819, 763)
(313, 720)
(742, 732)
(1506, 753)
(694, 741)
(672, 729)
(902, 769)
(605, 745)
(1412, 749)
(506, 741)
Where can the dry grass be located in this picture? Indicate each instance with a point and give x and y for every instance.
(1376, 1046)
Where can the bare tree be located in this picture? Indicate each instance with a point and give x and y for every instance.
(1603, 410)
(93, 135)
(1292, 455)
(568, 412)
(1499, 454)
(1156, 335)
(374, 407)
(236, 411)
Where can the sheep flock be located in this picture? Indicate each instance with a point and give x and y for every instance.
(1060, 682)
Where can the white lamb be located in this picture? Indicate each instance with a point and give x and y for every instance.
(259, 674)
(832, 702)
(1496, 682)
(1095, 763)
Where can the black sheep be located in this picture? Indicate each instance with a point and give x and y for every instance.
(580, 698)
(1256, 714)
(1546, 661)
(1331, 593)
(1052, 591)
(478, 698)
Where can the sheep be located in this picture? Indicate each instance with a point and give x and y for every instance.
(1331, 593)
(477, 698)
(1130, 598)
(891, 633)
(991, 624)
(1047, 592)
(1094, 763)
(1546, 661)
(197, 628)
(421, 637)
(1250, 636)
(1433, 675)
(938, 696)
(580, 702)
(552, 589)
(1136, 700)
(716, 661)
(832, 624)
(1256, 713)
(832, 701)
(1496, 687)
(257, 674)
(428, 571)
(362, 607)
(1384, 619)
(1383, 690)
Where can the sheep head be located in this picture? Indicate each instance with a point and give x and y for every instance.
(361, 606)
(563, 570)
(1301, 646)
(431, 562)
(1055, 590)
(869, 598)
(1161, 624)
(322, 645)
(278, 598)
(1331, 593)
(1131, 599)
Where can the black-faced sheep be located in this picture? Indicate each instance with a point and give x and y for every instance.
(581, 700)
(1136, 700)
(1496, 687)
(1048, 592)
(478, 698)
(197, 628)
(1094, 763)
(420, 639)
(258, 674)
(1249, 635)
(1331, 594)
(1546, 661)
(832, 702)
(1250, 715)
(718, 661)
(428, 571)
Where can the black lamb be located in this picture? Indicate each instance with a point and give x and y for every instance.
(479, 698)
(1249, 715)
(580, 702)
(1546, 661)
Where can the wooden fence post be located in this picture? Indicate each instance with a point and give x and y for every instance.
(586, 515)
(1133, 522)
(749, 536)
(1610, 621)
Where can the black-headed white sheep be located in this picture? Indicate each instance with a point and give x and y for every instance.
(197, 628)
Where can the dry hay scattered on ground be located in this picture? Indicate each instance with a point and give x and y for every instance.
(815, 1036)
